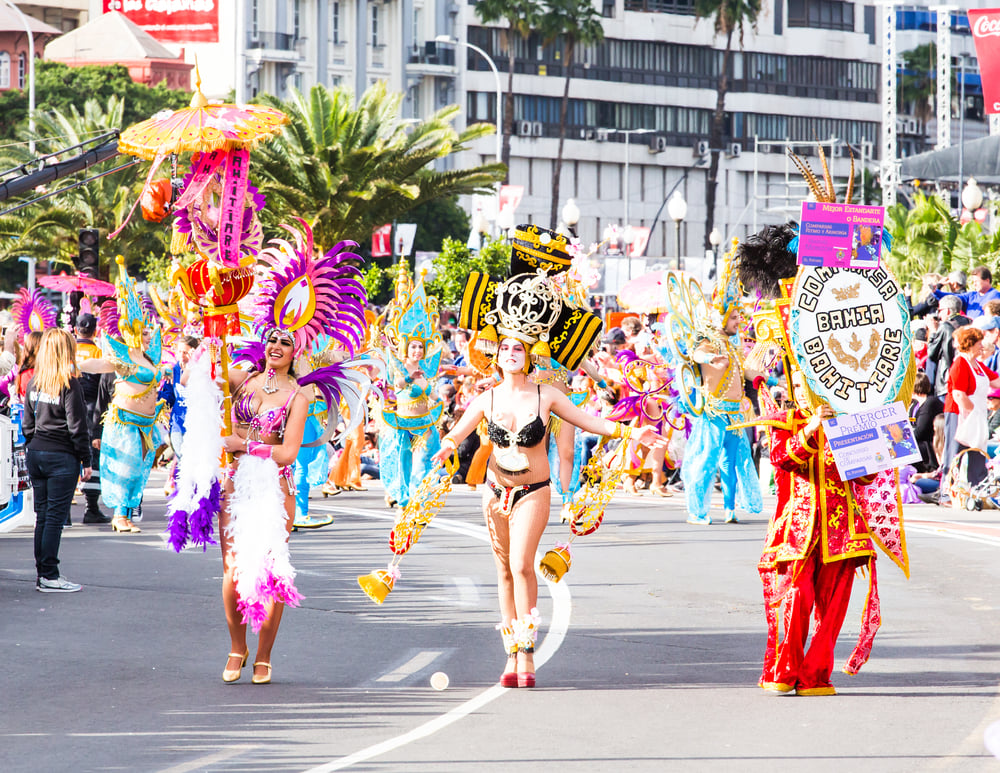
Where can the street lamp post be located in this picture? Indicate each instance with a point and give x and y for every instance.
(715, 239)
(31, 72)
(972, 197)
(628, 135)
(571, 216)
(677, 208)
(496, 78)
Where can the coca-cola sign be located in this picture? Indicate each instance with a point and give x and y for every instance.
(985, 24)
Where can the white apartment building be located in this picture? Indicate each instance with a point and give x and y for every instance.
(809, 72)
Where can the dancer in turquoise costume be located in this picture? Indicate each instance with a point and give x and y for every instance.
(711, 373)
(409, 436)
(565, 442)
(132, 350)
(311, 468)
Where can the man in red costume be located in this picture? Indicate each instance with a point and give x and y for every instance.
(816, 540)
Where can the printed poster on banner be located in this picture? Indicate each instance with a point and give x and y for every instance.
(171, 21)
(871, 441)
(985, 26)
(840, 235)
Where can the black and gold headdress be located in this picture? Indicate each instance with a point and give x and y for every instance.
(528, 306)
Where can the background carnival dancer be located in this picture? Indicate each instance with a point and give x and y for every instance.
(522, 318)
(133, 351)
(408, 436)
(87, 349)
(299, 299)
(704, 340)
(55, 426)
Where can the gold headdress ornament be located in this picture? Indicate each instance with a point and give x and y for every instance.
(528, 306)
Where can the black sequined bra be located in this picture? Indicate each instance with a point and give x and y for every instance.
(529, 436)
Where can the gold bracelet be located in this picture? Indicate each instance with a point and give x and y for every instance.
(451, 440)
(619, 429)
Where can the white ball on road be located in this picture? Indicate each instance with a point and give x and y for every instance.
(439, 680)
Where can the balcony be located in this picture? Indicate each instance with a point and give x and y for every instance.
(431, 59)
(275, 47)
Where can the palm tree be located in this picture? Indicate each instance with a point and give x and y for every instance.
(48, 230)
(730, 16)
(575, 22)
(522, 17)
(348, 170)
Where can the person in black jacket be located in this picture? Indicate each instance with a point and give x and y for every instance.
(86, 349)
(55, 426)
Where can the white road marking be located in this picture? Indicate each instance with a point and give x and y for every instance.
(220, 756)
(941, 531)
(562, 607)
(418, 662)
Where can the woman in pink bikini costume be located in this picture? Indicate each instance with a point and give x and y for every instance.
(301, 298)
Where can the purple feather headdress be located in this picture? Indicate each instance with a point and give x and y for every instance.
(32, 312)
(305, 296)
(107, 319)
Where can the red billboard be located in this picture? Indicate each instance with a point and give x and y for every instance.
(172, 21)
(985, 26)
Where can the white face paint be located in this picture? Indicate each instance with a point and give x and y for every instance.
(511, 356)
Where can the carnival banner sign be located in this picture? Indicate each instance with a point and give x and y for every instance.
(850, 331)
(871, 441)
(840, 235)
(172, 21)
(985, 25)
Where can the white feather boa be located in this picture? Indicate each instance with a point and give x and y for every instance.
(263, 569)
(197, 498)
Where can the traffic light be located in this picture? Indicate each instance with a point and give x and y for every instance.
(88, 260)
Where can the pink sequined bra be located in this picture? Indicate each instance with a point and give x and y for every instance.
(260, 424)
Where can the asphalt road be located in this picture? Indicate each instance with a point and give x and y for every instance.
(649, 661)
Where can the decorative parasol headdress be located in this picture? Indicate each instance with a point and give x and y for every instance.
(32, 312)
(530, 306)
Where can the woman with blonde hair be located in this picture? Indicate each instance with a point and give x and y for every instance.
(55, 426)
(26, 367)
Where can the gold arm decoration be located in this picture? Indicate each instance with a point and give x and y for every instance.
(600, 478)
(428, 499)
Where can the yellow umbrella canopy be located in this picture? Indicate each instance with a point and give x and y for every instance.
(201, 128)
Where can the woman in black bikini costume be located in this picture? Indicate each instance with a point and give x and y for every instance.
(517, 500)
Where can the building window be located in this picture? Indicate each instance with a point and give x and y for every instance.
(4, 70)
(335, 21)
(297, 19)
(608, 9)
(821, 14)
(22, 69)
(255, 19)
(375, 40)
(685, 7)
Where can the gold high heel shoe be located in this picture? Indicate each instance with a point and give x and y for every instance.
(132, 527)
(231, 675)
(122, 525)
(266, 679)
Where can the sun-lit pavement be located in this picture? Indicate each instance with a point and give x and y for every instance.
(651, 655)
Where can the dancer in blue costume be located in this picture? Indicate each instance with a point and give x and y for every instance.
(409, 436)
(311, 467)
(133, 350)
(565, 442)
(713, 447)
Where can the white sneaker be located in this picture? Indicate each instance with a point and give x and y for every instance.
(58, 585)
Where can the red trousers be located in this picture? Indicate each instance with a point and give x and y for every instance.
(827, 587)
